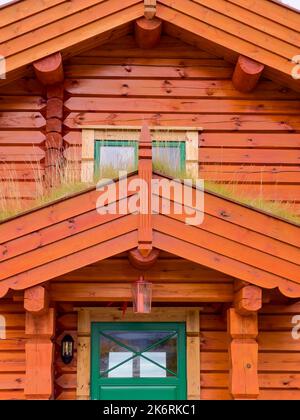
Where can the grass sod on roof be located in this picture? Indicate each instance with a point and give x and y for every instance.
(12, 203)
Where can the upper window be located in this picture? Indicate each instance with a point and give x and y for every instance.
(107, 151)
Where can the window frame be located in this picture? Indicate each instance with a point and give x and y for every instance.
(90, 135)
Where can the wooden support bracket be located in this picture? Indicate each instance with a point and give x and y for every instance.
(148, 32)
(36, 300)
(246, 74)
(49, 70)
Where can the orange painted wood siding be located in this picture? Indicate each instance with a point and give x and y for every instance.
(249, 140)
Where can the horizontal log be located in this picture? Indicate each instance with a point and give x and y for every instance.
(88, 104)
(250, 140)
(14, 138)
(173, 270)
(250, 173)
(12, 381)
(154, 71)
(12, 362)
(262, 156)
(22, 120)
(21, 154)
(267, 341)
(174, 88)
(103, 292)
(168, 47)
(22, 87)
(216, 123)
(22, 103)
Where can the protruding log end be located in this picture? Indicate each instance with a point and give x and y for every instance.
(248, 300)
(49, 70)
(140, 262)
(148, 32)
(36, 300)
(246, 74)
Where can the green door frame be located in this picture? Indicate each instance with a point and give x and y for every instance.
(179, 381)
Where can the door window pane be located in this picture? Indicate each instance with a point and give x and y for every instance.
(151, 370)
(138, 354)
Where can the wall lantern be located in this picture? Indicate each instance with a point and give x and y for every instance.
(142, 296)
(67, 349)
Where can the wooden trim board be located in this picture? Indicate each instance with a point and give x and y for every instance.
(191, 316)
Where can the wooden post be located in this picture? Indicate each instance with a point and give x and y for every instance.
(145, 175)
(148, 32)
(39, 352)
(246, 74)
(243, 354)
(193, 353)
(83, 355)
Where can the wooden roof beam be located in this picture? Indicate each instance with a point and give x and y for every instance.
(49, 70)
(246, 74)
(148, 32)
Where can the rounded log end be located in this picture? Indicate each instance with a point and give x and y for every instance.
(148, 32)
(138, 261)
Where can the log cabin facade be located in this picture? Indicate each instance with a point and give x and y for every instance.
(214, 77)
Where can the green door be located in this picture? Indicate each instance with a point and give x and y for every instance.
(138, 361)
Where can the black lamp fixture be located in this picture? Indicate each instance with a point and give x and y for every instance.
(67, 349)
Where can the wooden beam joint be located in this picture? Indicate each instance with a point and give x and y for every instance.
(148, 32)
(246, 74)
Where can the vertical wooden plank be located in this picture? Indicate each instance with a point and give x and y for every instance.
(39, 351)
(192, 164)
(88, 155)
(83, 355)
(145, 231)
(193, 354)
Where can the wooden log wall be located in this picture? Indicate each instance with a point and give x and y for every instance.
(279, 353)
(22, 141)
(252, 140)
